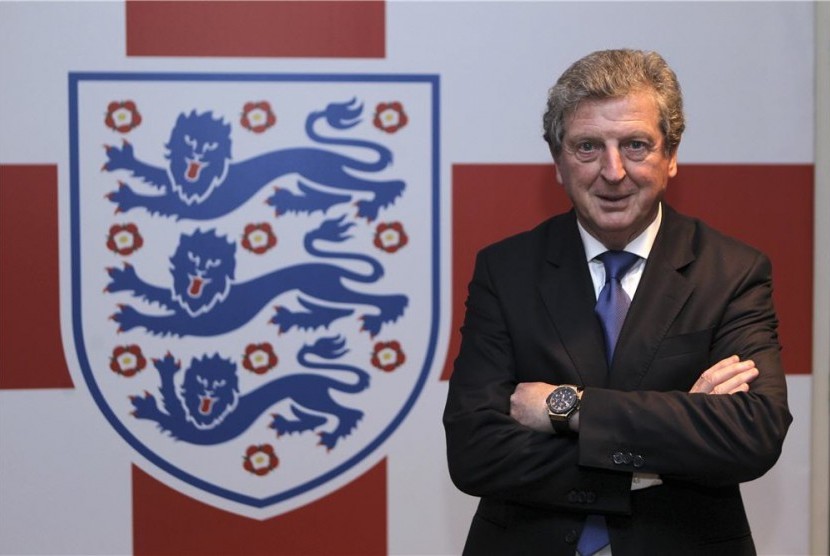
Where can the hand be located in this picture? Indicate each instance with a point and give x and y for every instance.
(728, 376)
(528, 407)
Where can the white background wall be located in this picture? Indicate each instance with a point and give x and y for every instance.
(747, 70)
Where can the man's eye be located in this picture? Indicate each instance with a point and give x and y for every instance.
(586, 147)
(637, 150)
(637, 147)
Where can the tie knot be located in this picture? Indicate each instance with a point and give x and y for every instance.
(617, 263)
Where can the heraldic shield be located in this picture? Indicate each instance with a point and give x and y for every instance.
(255, 272)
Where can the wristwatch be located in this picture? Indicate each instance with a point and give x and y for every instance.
(562, 403)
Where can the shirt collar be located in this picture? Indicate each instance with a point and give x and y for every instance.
(640, 245)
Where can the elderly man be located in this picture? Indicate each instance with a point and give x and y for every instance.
(619, 373)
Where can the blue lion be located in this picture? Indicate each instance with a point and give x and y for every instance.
(208, 409)
(205, 299)
(201, 182)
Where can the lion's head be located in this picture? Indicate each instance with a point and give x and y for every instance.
(210, 390)
(199, 152)
(203, 268)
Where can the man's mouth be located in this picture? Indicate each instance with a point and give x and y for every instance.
(612, 198)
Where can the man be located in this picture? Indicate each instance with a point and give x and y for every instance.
(576, 432)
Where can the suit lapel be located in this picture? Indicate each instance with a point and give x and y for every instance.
(661, 294)
(567, 292)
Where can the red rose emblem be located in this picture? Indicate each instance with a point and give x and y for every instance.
(259, 358)
(258, 116)
(260, 460)
(388, 356)
(390, 236)
(390, 117)
(258, 238)
(127, 360)
(124, 239)
(122, 116)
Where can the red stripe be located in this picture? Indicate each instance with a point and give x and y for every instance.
(351, 520)
(31, 350)
(329, 29)
(768, 206)
(771, 208)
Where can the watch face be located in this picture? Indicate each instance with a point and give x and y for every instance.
(562, 400)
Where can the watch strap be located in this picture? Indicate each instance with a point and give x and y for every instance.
(561, 424)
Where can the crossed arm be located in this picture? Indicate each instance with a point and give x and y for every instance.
(499, 438)
(728, 376)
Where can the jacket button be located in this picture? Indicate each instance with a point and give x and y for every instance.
(638, 461)
(590, 497)
(617, 458)
(572, 496)
(572, 536)
(627, 458)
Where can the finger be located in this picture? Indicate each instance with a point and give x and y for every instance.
(736, 382)
(723, 363)
(719, 373)
(728, 372)
(708, 374)
(742, 388)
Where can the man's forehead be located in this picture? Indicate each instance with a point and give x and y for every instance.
(638, 109)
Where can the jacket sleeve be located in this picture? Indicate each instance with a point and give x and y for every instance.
(492, 455)
(706, 439)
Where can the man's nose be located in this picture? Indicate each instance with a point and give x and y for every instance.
(613, 170)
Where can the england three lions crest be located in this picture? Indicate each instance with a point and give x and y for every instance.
(255, 276)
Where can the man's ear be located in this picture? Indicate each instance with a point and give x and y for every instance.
(673, 162)
(555, 165)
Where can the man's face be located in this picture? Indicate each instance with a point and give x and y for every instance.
(614, 167)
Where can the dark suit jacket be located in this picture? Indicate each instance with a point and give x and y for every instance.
(702, 297)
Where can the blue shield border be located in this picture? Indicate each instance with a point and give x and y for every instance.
(76, 79)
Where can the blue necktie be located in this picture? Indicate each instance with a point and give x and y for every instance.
(613, 302)
(612, 305)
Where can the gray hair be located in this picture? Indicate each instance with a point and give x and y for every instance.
(613, 74)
